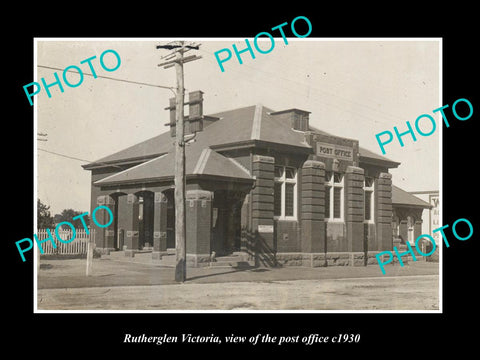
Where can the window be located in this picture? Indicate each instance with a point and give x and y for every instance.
(410, 227)
(327, 202)
(289, 199)
(140, 208)
(277, 199)
(285, 193)
(333, 196)
(368, 201)
(337, 195)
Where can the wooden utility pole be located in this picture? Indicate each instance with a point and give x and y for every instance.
(177, 59)
(90, 246)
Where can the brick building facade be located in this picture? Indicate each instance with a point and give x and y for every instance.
(258, 181)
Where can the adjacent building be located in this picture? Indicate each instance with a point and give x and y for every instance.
(408, 217)
(258, 181)
(430, 218)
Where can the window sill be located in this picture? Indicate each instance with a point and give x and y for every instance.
(338, 221)
(288, 218)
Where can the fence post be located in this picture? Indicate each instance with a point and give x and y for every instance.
(37, 250)
(90, 245)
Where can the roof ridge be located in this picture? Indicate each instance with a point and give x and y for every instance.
(150, 139)
(130, 168)
(399, 189)
(239, 165)
(257, 122)
(231, 110)
(202, 161)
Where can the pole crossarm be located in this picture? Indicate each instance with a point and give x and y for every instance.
(170, 47)
(170, 63)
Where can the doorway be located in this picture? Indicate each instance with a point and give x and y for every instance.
(226, 222)
(145, 219)
(169, 194)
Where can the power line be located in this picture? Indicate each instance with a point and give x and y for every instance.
(83, 160)
(110, 78)
(313, 99)
(67, 156)
(276, 76)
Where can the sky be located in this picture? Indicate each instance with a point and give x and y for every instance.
(353, 88)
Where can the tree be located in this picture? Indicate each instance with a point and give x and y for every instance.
(68, 215)
(44, 219)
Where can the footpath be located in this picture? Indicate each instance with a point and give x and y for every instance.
(70, 273)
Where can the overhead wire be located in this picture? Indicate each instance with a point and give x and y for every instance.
(75, 158)
(104, 77)
(263, 71)
(276, 76)
(111, 78)
(67, 156)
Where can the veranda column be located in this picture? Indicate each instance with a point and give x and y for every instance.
(383, 191)
(312, 213)
(131, 227)
(263, 209)
(313, 206)
(199, 227)
(104, 236)
(354, 214)
(159, 225)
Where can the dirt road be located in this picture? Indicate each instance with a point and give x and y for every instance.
(374, 293)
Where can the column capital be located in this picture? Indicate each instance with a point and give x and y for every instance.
(160, 197)
(354, 170)
(105, 200)
(199, 195)
(263, 158)
(313, 164)
(101, 200)
(132, 198)
(385, 176)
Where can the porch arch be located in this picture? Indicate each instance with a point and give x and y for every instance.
(118, 198)
(145, 218)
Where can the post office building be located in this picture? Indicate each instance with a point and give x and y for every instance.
(259, 181)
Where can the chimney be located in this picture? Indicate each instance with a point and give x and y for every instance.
(296, 118)
(193, 121)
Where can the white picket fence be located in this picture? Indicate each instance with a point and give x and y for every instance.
(75, 247)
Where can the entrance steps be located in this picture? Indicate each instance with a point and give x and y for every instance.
(237, 259)
(141, 256)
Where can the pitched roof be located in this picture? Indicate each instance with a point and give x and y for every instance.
(247, 124)
(233, 126)
(198, 162)
(402, 197)
(367, 155)
(251, 123)
(150, 148)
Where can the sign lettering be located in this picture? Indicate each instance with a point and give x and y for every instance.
(334, 151)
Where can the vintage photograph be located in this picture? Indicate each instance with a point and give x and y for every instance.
(291, 203)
